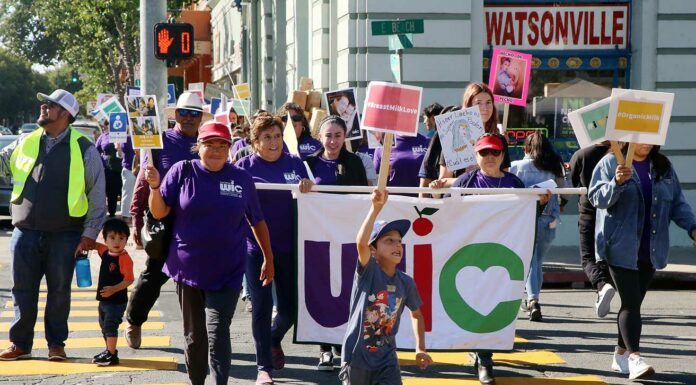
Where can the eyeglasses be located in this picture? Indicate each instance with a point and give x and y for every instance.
(487, 151)
(192, 113)
(295, 118)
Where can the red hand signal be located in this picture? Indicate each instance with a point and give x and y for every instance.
(164, 41)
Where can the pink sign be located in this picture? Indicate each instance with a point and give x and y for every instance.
(509, 78)
(391, 107)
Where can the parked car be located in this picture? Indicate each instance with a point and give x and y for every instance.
(87, 128)
(6, 181)
(5, 131)
(27, 128)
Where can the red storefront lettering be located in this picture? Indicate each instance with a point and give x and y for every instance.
(533, 36)
(493, 21)
(562, 28)
(546, 32)
(509, 33)
(520, 17)
(594, 39)
(575, 26)
(616, 27)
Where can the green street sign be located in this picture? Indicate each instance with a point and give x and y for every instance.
(400, 41)
(395, 27)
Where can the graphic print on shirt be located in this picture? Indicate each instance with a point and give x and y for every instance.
(307, 148)
(419, 149)
(291, 177)
(230, 189)
(380, 317)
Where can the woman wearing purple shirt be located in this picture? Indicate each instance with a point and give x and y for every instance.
(270, 164)
(112, 171)
(306, 145)
(211, 200)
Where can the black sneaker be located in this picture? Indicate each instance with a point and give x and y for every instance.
(534, 310)
(107, 359)
(98, 356)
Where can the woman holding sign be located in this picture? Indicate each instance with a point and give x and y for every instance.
(634, 208)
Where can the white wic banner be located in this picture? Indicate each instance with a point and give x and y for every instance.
(468, 255)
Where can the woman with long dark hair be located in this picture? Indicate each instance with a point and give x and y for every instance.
(634, 208)
(540, 163)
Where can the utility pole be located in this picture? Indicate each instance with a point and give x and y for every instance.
(153, 72)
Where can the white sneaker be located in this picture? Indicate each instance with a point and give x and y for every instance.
(620, 362)
(325, 362)
(604, 296)
(638, 368)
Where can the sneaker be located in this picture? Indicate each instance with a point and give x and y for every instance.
(263, 378)
(56, 353)
(534, 310)
(524, 306)
(620, 362)
(485, 374)
(277, 357)
(133, 336)
(248, 307)
(107, 359)
(638, 368)
(98, 356)
(14, 353)
(326, 362)
(604, 296)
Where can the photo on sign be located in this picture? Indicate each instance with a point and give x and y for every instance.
(637, 116)
(590, 122)
(509, 77)
(458, 132)
(141, 106)
(344, 104)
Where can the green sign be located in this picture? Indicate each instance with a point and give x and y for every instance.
(400, 41)
(395, 27)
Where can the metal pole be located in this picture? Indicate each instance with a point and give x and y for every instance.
(153, 72)
(400, 52)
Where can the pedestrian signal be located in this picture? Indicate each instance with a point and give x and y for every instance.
(173, 41)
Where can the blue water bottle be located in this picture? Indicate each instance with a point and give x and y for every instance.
(82, 270)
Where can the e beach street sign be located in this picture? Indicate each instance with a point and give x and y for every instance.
(395, 27)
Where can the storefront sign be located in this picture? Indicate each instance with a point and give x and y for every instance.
(535, 27)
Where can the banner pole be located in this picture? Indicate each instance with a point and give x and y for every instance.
(236, 94)
(629, 154)
(384, 163)
(616, 149)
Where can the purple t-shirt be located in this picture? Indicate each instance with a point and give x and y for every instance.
(211, 209)
(307, 146)
(476, 179)
(128, 154)
(643, 171)
(365, 149)
(276, 205)
(325, 171)
(238, 145)
(406, 159)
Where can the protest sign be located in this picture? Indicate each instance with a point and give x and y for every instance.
(108, 106)
(90, 107)
(290, 136)
(196, 87)
(144, 121)
(590, 122)
(458, 132)
(132, 91)
(391, 107)
(101, 98)
(637, 116)
(215, 105)
(118, 127)
(509, 76)
(468, 256)
(344, 104)
(242, 91)
(198, 93)
(171, 95)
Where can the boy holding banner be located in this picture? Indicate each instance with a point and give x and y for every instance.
(378, 295)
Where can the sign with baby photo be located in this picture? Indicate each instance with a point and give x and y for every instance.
(458, 131)
(509, 76)
(637, 116)
(143, 121)
(590, 122)
(344, 103)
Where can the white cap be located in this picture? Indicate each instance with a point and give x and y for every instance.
(63, 98)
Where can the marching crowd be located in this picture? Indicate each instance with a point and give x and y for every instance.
(244, 247)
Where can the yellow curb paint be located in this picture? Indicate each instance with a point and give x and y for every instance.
(85, 326)
(78, 313)
(462, 358)
(76, 294)
(98, 342)
(73, 304)
(520, 340)
(83, 365)
(575, 380)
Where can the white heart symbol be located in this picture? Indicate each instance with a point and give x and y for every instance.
(483, 291)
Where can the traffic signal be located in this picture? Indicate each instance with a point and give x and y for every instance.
(74, 78)
(173, 41)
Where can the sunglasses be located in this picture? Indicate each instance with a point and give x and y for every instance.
(295, 118)
(51, 104)
(191, 113)
(487, 151)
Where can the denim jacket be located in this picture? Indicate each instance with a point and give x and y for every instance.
(531, 175)
(620, 213)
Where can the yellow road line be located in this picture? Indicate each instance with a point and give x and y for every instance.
(42, 304)
(462, 358)
(83, 365)
(574, 380)
(98, 342)
(520, 340)
(85, 326)
(78, 313)
(76, 294)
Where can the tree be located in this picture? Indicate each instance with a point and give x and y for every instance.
(18, 103)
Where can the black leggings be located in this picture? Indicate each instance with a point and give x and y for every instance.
(632, 286)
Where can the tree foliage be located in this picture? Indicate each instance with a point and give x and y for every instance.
(18, 88)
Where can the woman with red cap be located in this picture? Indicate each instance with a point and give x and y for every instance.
(207, 257)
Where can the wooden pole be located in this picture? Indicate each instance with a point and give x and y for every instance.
(629, 154)
(616, 149)
(384, 163)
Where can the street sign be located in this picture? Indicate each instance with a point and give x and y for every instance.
(395, 65)
(395, 27)
(400, 41)
(173, 41)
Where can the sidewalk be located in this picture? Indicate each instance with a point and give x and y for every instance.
(562, 266)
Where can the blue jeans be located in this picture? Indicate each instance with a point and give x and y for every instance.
(110, 317)
(35, 254)
(544, 237)
(267, 335)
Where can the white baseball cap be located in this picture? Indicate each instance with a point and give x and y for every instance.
(63, 98)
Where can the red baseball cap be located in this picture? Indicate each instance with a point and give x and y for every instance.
(488, 142)
(214, 130)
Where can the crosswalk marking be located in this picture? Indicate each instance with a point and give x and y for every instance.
(79, 313)
(76, 294)
(574, 380)
(84, 365)
(98, 342)
(462, 358)
(73, 304)
(86, 326)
